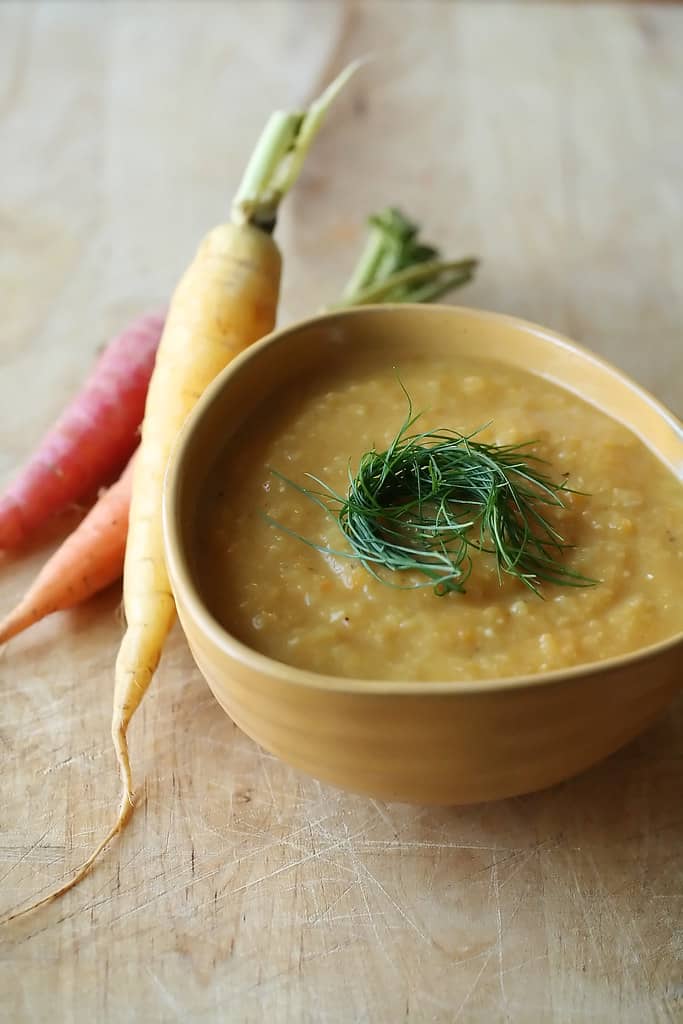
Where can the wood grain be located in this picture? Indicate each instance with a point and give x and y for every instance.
(545, 139)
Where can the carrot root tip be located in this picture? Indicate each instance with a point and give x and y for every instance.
(125, 811)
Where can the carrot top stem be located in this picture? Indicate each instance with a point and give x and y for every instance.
(255, 202)
(397, 266)
(279, 156)
(422, 283)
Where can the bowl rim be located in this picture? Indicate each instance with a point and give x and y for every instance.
(181, 576)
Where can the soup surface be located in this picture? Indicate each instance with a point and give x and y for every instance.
(326, 613)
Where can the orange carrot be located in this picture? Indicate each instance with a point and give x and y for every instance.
(91, 440)
(87, 562)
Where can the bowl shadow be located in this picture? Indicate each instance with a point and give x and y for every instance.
(634, 796)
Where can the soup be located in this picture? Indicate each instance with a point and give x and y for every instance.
(321, 611)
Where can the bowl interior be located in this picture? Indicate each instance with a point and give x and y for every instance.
(265, 370)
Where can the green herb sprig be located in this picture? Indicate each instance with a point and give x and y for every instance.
(432, 498)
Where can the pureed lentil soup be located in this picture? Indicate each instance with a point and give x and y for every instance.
(326, 613)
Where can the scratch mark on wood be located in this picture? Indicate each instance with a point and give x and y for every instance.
(168, 998)
(372, 918)
(316, 918)
(385, 818)
(523, 860)
(24, 855)
(470, 992)
(409, 921)
(290, 866)
(525, 963)
(433, 845)
(581, 901)
(499, 930)
(262, 760)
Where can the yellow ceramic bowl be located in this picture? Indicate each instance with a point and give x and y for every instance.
(444, 743)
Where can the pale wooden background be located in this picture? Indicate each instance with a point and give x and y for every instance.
(547, 140)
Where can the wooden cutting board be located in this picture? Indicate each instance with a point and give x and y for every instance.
(544, 138)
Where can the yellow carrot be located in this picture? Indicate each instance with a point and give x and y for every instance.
(226, 300)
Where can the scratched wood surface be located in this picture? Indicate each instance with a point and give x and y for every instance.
(545, 139)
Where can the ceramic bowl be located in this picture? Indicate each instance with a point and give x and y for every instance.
(428, 743)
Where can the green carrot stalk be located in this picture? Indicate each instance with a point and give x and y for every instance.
(397, 266)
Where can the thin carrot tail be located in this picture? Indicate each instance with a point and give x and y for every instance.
(125, 811)
(16, 622)
(130, 688)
